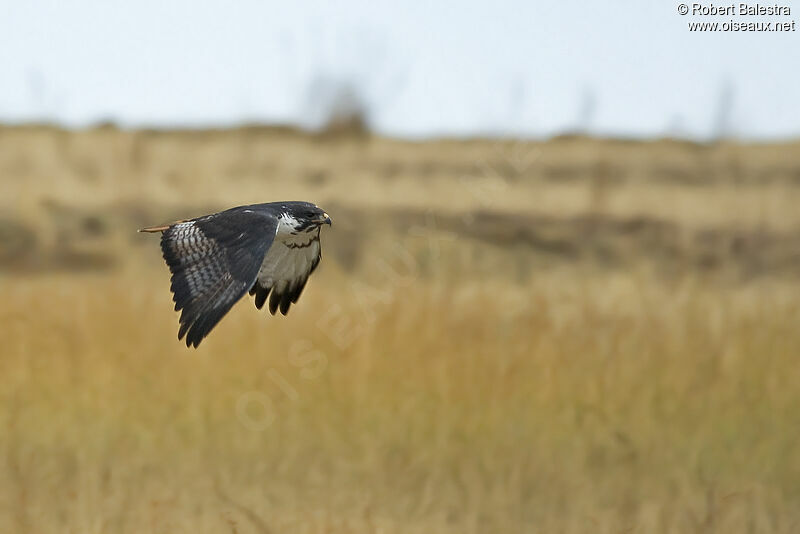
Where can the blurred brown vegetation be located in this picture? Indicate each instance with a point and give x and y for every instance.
(70, 199)
(578, 335)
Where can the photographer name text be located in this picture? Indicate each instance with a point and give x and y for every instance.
(731, 10)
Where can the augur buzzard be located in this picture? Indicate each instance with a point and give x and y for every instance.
(216, 259)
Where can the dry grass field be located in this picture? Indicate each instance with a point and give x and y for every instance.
(569, 336)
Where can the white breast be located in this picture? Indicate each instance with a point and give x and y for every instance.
(289, 260)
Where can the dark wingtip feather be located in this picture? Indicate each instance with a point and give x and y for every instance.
(189, 329)
(195, 334)
(182, 330)
(298, 291)
(261, 296)
(286, 301)
(274, 301)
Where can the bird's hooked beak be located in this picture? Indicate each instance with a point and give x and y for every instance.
(324, 219)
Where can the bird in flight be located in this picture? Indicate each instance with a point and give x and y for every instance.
(216, 259)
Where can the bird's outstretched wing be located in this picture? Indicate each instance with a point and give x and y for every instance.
(214, 260)
(285, 271)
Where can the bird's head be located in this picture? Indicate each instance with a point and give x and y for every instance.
(302, 216)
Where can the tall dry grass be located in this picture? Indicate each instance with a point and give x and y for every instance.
(607, 404)
(607, 341)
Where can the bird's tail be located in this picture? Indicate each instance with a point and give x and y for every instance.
(154, 229)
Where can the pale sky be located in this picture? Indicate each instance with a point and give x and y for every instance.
(529, 68)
